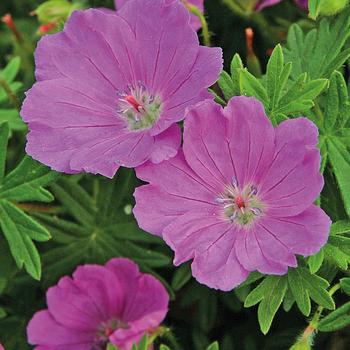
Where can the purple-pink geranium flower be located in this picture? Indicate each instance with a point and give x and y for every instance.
(1, 347)
(113, 303)
(195, 22)
(267, 3)
(239, 198)
(111, 87)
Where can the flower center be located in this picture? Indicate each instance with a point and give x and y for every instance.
(105, 330)
(240, 205)
(138, 107)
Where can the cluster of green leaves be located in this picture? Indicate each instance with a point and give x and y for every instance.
(22, 185)
(282, 97)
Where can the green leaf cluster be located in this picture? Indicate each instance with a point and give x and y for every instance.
(21, 186)
(282, 97)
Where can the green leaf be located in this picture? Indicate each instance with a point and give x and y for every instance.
(299, 291)
(315, 261)
(345, 285)
(26, 181)
(340, 160)
(251, 86)
(213, 346)
(300, 96)
(337, 110)
(181, 276)
(314, 8)
(143, 344)
(11, 116)
(10, 72)
(305, 285)
(276, 76)
(16, 227)
(4, 134)
(164, 347)
(336, 320)
(2, 313)
(226, 85)
(236, 68)
(270, 293)
(318, 52)
(75, 199)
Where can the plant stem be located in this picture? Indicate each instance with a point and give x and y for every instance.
(169, 336)
(313, 324)
(11, 95)
(205, 28)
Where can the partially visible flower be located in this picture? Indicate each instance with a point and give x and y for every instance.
(239, 198)
(111, 87)
(1, 347)
(195, 22)
(261, 4)
(114, 304)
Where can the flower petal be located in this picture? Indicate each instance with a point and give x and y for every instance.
(79, 311)
(304, 233)
(205, 144)
(251, 139)
(44, 330)
(217, 266)
(193, 232)
(166, 144)
(296, 158)
(192, 88)
(176, 178)
(102, 286)
(155, 208)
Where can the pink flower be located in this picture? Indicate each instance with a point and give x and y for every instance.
(239, 198)
(195, 22)
(1, 347)
(100, 304)
(111, 87)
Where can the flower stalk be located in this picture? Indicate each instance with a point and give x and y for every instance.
(205, 28)
(305, 341)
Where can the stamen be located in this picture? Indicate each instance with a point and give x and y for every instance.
(256, 211)
(233, 216)
(253, 191)
(234, 182)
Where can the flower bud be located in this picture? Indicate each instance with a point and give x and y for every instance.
(326, 7)
(55, 11)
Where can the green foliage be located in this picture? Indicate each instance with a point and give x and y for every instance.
(298, 286)
(336, 320)
(269, 294)
(282, 97)
(321, 51)
(337, 249)
(24, 183)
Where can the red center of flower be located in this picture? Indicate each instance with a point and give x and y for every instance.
(134, 103)
(240, 202)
